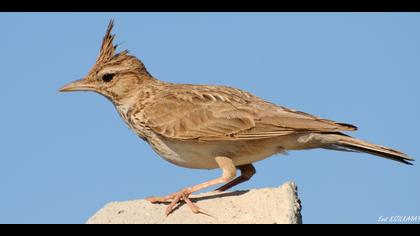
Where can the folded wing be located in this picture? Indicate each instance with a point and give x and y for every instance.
(221, 113)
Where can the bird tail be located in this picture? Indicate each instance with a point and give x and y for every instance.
(349, 143)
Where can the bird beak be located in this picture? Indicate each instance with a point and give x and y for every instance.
(78, 85)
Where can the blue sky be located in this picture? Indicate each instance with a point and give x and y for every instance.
(63, 156)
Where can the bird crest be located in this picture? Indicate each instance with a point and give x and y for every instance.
(108, 48)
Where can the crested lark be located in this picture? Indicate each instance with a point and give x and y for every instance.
(207, 127)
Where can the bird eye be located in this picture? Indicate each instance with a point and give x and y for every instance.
(107, 77)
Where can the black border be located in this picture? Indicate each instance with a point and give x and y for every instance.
(209, 6)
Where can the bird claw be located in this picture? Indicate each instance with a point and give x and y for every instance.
(160, 199)
(176, 198)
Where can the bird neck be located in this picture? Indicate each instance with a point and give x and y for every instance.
(141, 95)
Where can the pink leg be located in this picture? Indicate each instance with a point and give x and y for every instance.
(229, 172)
(247, 171)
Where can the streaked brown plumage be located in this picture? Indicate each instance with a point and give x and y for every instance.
(202, 126)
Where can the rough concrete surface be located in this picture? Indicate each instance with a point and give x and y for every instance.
(265, 206)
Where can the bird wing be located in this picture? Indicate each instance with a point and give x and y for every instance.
(216, 113)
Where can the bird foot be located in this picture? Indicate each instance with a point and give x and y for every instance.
(175, 199)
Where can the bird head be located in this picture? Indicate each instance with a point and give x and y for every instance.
(114, 75)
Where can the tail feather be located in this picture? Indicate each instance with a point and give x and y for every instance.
(378, 150)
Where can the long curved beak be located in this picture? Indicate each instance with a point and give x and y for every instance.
(78, 85)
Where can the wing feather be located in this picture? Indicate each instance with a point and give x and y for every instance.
(215, 113)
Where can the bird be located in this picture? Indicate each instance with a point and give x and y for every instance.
(210, 126)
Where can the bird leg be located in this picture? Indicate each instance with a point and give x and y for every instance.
(229, 172)
(247, 171)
